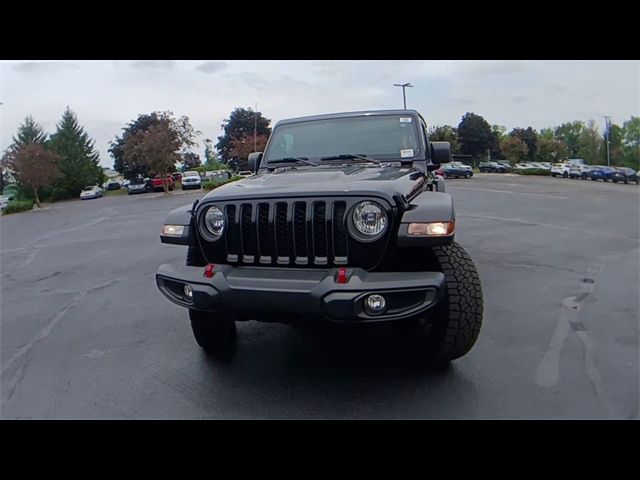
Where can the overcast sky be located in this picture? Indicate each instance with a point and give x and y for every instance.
(106, 95)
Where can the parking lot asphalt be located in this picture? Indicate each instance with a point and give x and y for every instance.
(86, 334)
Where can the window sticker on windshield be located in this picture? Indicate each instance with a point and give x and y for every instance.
(406, 153)
(405, 119)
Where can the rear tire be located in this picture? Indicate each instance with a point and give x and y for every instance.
(626, 181)
(450, 329)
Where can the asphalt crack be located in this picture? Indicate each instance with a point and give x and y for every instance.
(548, 371)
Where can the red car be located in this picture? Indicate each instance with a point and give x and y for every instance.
(158, 184)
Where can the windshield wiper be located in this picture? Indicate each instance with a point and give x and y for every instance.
(350, 156)
(291, 160)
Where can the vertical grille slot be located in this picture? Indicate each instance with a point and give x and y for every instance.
(319, 233)
(247, 234)
(339, 234)
(232, 237)
(283, 234)
(265, 242)
(300, 233)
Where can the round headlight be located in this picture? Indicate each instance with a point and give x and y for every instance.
(214, 220)
(369, 218)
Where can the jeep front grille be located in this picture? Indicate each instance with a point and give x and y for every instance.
(295, 232)
(300, 232)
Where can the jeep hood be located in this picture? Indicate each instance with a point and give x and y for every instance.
(385, 182)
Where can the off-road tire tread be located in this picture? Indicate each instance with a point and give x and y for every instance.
(464, 304)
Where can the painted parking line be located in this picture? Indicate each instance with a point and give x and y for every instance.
(555, 197)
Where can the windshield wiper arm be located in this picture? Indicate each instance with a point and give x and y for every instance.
(291, 160)
(350, 156)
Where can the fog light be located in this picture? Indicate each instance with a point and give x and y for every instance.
(188, 291)
(375, 303)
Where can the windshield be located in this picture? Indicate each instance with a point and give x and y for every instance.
(137, 181)
(86, 189)
(388, 137)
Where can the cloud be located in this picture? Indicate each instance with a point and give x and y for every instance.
(43, 67)
(157, 64)
(518, 98)
(211, 67)
(503, 67)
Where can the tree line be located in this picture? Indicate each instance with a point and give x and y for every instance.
(52, 167)
(476, 138)
(59, 166)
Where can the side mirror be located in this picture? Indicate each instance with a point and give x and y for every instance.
(254, 161)
(440, 152)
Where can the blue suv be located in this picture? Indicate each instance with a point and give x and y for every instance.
(601, 173)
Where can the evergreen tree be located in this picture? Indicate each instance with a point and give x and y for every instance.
(79, 164)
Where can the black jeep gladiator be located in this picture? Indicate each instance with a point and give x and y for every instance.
(343, 222)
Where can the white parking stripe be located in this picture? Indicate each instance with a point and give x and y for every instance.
(557, 197)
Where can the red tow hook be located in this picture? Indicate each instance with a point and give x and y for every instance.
(208, 270)
(342, 275)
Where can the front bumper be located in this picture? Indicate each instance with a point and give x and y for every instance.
(291, 295)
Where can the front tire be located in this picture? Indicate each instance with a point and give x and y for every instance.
(450, 329)
(216, 335)
(565, 175)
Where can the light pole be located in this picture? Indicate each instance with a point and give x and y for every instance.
(404, 97)
(255, 128)
(607, 126)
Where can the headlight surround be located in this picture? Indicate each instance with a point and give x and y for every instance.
(214, 221)
(368, 220)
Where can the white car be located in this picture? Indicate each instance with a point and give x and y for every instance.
(4, 201)
(560, 170)
(91, 192)
(191, 179)
(579, 171)
(462, 166)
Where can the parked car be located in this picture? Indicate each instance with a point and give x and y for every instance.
(463, 166)
(4, 201)
(158, 183)
(112, 186)
(560, 170)
(546, 165)
(455, 171)
(506, 165)
(177, 176)
(191, 180)
(93, 191)
(220, 176)
(491, 167)
(125, 183)
(599, 172)
(575, 161)
(579, 171)
(140, 185)
(624, 174)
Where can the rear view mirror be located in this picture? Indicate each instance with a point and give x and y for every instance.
(440, 152)
(254, 161)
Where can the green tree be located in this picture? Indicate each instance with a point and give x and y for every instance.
(529, 137)
(34, 167)
(79, 162)
(569, 133)
(514, 149)
(550, 149)
(497, 134)
(161, 146)
(28, 132)
(590, 144)
(241, 124)
(134, 166)
(190, 161)
(445, 133)
(632, 143)
(474, 135)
